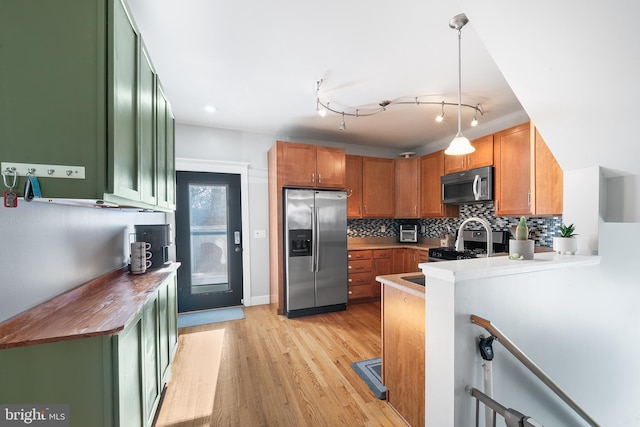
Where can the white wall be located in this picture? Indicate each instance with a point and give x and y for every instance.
(48, 249)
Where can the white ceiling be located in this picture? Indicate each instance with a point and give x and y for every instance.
(258, 63)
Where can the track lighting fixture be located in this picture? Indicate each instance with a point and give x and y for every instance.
(440, 117)
(343, 126)
(323, 106)
(460, 145)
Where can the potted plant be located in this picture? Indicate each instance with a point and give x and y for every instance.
(566, 243)
(521, 247)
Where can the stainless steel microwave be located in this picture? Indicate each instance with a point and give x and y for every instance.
(471, 186)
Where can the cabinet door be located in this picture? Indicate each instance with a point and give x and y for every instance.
(330, 167)
(378, 177)
(147, 134)
(407, 187)
(125, 143)
(431, 169)
(151, 369)
(398, 260)
(299, 164)
(411, 261)
(549, 180)
(172, 315)
(161, 147)
(170, 174)
(129, 376)
(163, 334)
(353, 174)
(483, 156)
(512, 155)
(381, 267)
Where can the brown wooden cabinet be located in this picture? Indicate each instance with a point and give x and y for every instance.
(378, 178)
(527, 178)
(513, 154)
(431, 206)
(406, 260)
(403, 352)
(407, 191)
(353, 174)
(549, 180)
(382, 265)
(483, 156)
(295, 165)
(313, 166)
(360, 275)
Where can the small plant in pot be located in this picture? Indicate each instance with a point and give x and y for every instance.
(566, 243)
(521, 247)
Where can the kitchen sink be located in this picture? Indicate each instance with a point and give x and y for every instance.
(419, 280)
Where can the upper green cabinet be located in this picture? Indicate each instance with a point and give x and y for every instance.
(79, 88)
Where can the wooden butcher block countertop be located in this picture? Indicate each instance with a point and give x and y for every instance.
(102, 306)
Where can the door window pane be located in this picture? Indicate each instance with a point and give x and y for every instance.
(209, 229)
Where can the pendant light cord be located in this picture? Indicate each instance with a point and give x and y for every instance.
(459, 84)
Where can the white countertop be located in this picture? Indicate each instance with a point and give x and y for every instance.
(502, 266)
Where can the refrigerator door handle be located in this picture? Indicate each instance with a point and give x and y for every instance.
(316, 249)
(314, 237)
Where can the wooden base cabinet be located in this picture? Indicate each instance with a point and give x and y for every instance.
(107, 380)
(360, 275)
(403, 352)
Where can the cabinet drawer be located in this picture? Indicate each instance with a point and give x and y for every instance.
(359, 279)
(354, 255)
(361, 291)
(423, 256)
(360, 266)
(383, 253)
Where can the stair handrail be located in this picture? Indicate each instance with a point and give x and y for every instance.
(511, 416)
(529, 364)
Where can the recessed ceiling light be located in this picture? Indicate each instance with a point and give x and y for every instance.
(210, 109)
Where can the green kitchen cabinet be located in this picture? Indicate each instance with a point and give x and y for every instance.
(107, 380)
(79, 89)
(165, 131)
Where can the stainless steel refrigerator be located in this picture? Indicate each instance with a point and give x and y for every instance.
(315, 228)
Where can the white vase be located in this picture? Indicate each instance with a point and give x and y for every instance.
(525, 248)
(565, 245)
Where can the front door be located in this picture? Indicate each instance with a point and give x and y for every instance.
(208, 240)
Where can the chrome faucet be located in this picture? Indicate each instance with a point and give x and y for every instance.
(485, 223)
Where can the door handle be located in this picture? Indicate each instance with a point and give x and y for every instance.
(236, 237)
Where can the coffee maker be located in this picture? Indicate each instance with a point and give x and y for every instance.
(159, 237)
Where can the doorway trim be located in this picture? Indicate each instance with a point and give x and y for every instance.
(242, 169)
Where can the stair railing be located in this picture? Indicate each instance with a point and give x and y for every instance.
(511, 417)
(529, 364)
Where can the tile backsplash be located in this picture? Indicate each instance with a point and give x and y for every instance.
(542, 229)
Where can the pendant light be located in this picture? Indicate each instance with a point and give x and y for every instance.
(460, 145)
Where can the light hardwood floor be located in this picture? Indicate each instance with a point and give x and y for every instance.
(275, 371)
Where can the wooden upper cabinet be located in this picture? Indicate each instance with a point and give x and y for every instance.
(330, 167)
(483, 156)
(313, 166)
(431, 169)
(513, 154)
(354, 186)
(407, 191)
(549, 180)
(378, 177)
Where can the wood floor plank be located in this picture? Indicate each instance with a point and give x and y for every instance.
(275, 371)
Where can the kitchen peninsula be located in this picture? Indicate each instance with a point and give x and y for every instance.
(528, 298)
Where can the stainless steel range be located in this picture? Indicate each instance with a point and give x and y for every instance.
(475, 244)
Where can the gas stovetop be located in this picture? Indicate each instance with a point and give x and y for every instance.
(447, 254)
(475, 244)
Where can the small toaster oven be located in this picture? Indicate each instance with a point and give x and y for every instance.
(408, 233)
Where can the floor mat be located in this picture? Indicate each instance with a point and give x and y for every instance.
(370, 372)
(210, 316)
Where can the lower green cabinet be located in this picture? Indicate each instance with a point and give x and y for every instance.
(109, 380)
